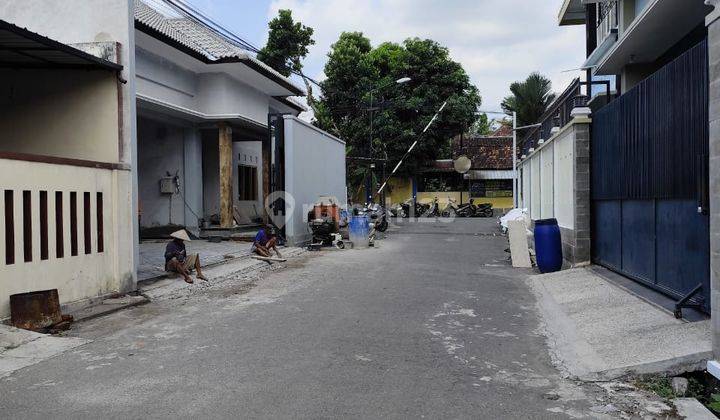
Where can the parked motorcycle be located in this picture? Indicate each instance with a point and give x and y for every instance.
(451, 208)
(378, 216)
(464, 210)
(433, 209)
(484, 210)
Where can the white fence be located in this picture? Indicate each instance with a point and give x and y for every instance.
(59, 229)
(547, 179)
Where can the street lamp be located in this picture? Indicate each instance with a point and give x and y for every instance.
(399, 81)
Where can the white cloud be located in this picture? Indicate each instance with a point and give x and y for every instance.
(497, 41)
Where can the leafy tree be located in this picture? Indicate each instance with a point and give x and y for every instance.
(481, 127)
(529, 99)
(287, 44)
(355, 71)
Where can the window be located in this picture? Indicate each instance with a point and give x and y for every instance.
(247, 181)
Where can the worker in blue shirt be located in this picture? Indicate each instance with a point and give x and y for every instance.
(265, 241)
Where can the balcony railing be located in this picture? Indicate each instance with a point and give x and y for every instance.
(557, 115)
(607, 21)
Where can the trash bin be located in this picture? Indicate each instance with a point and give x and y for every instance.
(359, 231)
(548, 246)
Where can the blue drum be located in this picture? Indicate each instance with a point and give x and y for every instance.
(359, 231)
(548, 245)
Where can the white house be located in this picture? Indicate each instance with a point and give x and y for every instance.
(122, 116)
(66, 147)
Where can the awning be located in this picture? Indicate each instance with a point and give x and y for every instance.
(572, 12)
(20, 48)
(601, 50)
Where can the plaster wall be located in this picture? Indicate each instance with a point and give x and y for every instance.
(558, 186)
(75, 22)
(160, 151)
(314, 166)
(77, 118)
(547, 173)
(77, 277)
(535, 187)
(563, 180)
(211, 94)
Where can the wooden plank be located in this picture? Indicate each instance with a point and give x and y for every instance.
(519, 251)
(226, 175)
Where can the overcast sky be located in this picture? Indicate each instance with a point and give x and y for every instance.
(496, 41)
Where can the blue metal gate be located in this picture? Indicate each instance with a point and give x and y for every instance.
(649, 180)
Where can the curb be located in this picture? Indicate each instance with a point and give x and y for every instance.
(102, 309)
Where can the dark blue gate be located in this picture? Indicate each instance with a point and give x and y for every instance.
(649, 180)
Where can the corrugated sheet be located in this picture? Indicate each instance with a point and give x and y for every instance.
(647, 143)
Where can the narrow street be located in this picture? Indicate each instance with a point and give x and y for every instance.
(432, 323)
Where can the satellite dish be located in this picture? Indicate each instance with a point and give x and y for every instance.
(462, 164)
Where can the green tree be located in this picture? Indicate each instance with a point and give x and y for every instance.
(355, 70)
(529, 98)
(481, 127)
(287, 44)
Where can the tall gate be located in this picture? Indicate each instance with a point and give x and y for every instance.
(649, 180)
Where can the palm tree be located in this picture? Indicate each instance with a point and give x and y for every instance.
(529, 99)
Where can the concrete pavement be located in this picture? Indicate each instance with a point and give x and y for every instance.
(432, 323)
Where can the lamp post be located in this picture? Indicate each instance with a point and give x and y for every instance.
(369, 194)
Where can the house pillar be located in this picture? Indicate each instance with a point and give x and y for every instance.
(266, 165)
(193, 185)
(713, 25)
(226, 175)
(581, 187)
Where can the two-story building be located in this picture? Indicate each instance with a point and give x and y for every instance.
(655, 175)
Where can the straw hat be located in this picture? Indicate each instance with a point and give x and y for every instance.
(180, 234)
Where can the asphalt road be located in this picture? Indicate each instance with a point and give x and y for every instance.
(432, 323)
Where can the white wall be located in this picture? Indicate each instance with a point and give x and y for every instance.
(77, 118)
(315, 165)
(76, 277)
(563, 180)
(160, 150)
(80, 21)
(201, 90)
(548, 179)
(535, 188)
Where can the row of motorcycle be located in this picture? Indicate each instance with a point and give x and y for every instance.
(413, 208)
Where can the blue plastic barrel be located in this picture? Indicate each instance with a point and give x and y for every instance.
(359, 231)
(548, 246)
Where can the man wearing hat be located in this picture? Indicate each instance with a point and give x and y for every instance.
(177, 260)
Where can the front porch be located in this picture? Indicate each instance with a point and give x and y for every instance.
(206, 177)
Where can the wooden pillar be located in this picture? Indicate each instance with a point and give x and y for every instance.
(226, 175)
